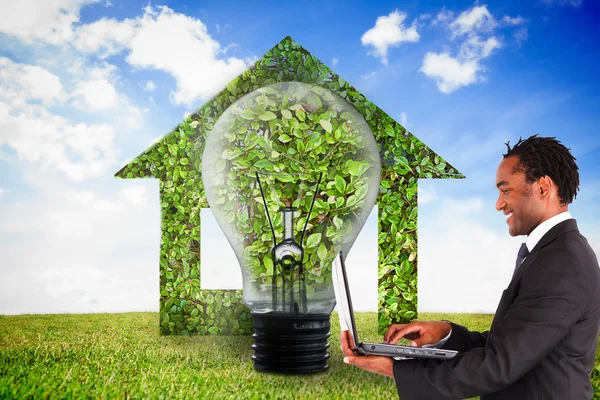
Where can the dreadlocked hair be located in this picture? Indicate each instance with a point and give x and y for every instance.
(546, 156)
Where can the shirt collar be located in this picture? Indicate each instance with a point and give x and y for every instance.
(543, 228)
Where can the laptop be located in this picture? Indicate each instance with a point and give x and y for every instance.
(347, 322)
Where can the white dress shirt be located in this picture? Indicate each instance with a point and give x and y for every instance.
(536, 235)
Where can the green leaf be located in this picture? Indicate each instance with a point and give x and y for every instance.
(322, 252)
(313, 240)
(326, 125)
(409, 314)
(267, 116)
(351, 201)
(231, 88)
(340, 184)
(247, 114)
(337, 221)
(357, 168)
(284, 138)
(286, 114)
(221, 164)
(266, 164)
(268, 263)
(184, 161)
(213, 330)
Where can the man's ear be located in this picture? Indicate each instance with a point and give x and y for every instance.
(546, 185)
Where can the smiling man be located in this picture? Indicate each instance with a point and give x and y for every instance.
(543, 338)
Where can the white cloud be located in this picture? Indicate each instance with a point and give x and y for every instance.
(389, 31)
(105, 37)
(477, 19)
(137, 195)
(78, 150)
(334, 62)
(443, 17)
(452, 72)
(168, 41)
(403, 119)
(67, 262)
(227, 26)
(3, 192)
(427, 193)
(513, 20)
(48, 21)
(572, 3)
(520, 36)
(448, 72)
(476, 49)
(97, 94)
(159, 39)
(76, 66)
(93, 91)
(131, 117)
(369, 75)
(150, 86)
(22, 82)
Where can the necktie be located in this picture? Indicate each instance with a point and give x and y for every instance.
(523, 252)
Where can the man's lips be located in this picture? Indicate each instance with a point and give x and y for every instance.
(508, 216)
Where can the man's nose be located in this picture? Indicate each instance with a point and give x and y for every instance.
(500, 204)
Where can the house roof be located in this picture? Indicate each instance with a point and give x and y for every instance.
(401, 152)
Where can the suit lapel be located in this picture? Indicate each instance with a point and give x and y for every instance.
(550, 236)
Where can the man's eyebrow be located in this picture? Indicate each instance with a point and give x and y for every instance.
(501, 183)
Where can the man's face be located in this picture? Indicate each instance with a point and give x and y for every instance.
(518, 200)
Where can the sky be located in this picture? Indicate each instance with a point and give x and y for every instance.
(87, 85)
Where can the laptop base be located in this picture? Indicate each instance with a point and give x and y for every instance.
(405, 352)
(290, 344)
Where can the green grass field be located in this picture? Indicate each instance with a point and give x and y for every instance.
(123, 356)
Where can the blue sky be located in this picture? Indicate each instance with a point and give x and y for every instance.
(86, 86)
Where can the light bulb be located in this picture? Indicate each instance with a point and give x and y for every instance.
(291, 172)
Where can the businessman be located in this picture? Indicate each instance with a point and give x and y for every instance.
(543, 338)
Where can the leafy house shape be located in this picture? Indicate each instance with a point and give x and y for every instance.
(174, 160)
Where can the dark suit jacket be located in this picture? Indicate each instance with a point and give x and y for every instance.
(543, 338)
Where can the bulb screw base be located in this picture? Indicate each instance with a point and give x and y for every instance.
(290, 344)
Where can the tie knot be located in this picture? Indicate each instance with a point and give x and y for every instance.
(523, 251)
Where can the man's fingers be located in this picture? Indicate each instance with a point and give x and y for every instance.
(346, 343)
(359, 361)
(408, 329)
(391, 330)
(348, 339)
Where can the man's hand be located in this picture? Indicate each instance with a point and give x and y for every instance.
(426, 332)
(376, 364)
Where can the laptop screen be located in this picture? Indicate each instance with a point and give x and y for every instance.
(342, 295)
